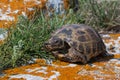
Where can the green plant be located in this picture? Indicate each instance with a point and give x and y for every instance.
(105, 13)
(100, 13)
(26, 39)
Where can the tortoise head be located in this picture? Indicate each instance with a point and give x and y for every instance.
(54, 44)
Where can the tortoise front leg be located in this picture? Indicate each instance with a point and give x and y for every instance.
(63, 57)
(71, 56)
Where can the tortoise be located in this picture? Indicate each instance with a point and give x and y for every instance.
(75, 43)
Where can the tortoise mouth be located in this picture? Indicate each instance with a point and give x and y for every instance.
(47, 47)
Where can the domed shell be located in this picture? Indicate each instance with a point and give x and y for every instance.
(82, 38)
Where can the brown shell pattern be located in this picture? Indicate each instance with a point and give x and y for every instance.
(83, 38)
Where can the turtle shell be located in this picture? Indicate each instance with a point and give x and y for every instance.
(82, 38)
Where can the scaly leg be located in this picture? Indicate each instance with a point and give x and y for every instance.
(71, 56)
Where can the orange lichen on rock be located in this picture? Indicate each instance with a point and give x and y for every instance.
(12, 9)
(17, 79)
(40, 61)
(60, 63)
(69, 73)
(66, 4)
(117, 55)
(4, 78)
(114, 36)
(64, 71)
(16, 5)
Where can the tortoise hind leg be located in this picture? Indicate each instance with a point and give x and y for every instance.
(105, 54)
